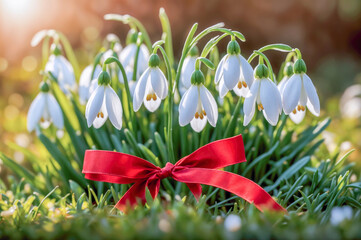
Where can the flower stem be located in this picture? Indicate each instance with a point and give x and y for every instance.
(139, 42)
(170, 105)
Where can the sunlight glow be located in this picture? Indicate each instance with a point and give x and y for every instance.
(16, 7)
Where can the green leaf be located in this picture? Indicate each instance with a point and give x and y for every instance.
(207, 62)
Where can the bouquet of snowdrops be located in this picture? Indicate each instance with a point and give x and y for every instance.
(180, 96)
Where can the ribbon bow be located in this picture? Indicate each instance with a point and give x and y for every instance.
(198, 168)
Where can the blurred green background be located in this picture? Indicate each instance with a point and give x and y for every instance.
(328, 32)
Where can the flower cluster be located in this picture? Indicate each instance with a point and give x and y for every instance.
(140, 76)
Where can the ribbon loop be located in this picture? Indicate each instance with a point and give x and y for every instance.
(198, 168)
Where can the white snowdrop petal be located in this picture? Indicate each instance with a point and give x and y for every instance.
(139, 90)
(142, 59)
(298, 117)
(188, 105)
(187, 70)
(84, 84)
(55, 111)
(312, 95)
(127, 55)
(156, 81)
(291, 93)
(231, 71)
(223, 90)
(165, 84)
(281, 85)
(152, 105)
(248, 117)
(250, 100)
(242, 92)
(198, 124)
(247, 71)
(209, 104)
(99, 121)
(114, 107)
(67, 71)
(94, 104)
(270, 99)
(36, 111)
(219, 71)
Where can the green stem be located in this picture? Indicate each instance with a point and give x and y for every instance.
(170, 105)
(277, 47)
(298, 52)
(268, 65)
(45, 51)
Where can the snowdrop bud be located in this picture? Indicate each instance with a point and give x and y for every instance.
(44, 87)
(197, 77)
(300, 66)
(261, 71)
(232, 223)
(288, 69)
(194, 52)
(154, 61)
(55, 49)
(132, 36)
(233, 48)
(103, 78)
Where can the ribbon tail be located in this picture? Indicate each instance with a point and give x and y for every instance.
(236, 184)
(134, 195)
(196, 189)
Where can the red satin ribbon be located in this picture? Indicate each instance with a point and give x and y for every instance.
(198, 168)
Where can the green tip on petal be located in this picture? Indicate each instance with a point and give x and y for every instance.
(233, 48)
(154, 60)
(197, 77)
(261, 71)
(132, 36)
(104, 78)
(44, 87)
(299, 66)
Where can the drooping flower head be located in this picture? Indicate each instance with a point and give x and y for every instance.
(300, 92)
(296, 116)
(44, 110)
(265, 94)
(102, 103)
(234, 72)
(188, 68)
(128, 54)
(85, 82)
(151, 88)
(61, 69)
(197, 105)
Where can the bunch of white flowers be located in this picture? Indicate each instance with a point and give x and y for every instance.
(294, 93)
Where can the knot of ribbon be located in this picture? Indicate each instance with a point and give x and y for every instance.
(200, 167)
(166, 171)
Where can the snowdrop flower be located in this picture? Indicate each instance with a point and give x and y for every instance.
(232, 223)
(339, 214)
(188, 68)
(127, 56)
(234, 72)
(197, 105)
(296, 116)
(61, 69)
(265, 93)
(102, 103)
(44, 109)
(85, 82)
(151, 88)
(300, 92)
